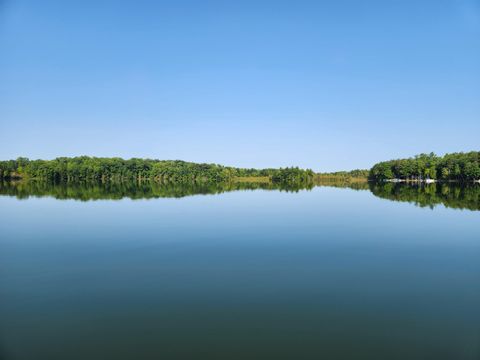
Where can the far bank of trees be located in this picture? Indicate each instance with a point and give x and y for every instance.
(357, 175)
(461, 167)
(86, 168)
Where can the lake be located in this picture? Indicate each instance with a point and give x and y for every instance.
(242, 271)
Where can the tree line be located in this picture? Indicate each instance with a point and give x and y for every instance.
(357, 175)
(84, 168)
(462, 167)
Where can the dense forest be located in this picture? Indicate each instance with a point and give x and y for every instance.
(462, 167)
(343, 176)
(86, 168)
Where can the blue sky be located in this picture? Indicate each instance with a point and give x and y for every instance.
(328, 85)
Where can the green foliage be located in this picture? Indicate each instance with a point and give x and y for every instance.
(86, 168)
(292, 175)
(344, 175)
(452, 167)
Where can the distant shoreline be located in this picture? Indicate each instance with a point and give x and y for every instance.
(423, 168)
(428, 181)
(427, 168)
(85, 168)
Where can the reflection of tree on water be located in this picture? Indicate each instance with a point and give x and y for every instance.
(452, 195)
(354, 185)
(134, 190)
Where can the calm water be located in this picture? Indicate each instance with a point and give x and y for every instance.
(150, 272)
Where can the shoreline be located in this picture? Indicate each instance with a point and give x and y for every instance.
(430, 181)
(248, 179)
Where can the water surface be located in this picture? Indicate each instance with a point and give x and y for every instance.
(258, 273)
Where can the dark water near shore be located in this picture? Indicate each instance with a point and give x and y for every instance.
(246, 271)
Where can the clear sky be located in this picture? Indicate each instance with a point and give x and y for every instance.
(328, 85)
